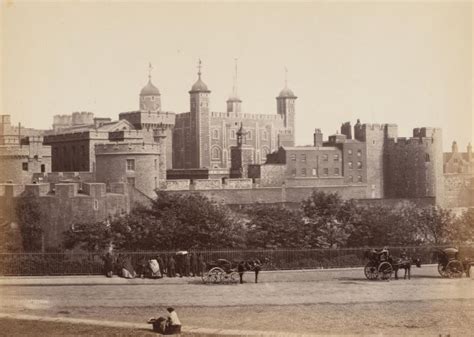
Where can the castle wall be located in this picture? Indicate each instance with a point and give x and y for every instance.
(65, 207)
(458, 190)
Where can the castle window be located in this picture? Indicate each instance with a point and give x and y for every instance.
(96, 204)
(293, 157)
(359, 179)
(325, 157)
(215, 134)
(215, 153)
(350, 164)
(43, 168)
(303, 158)
(349, 152)
(264, 135)
(427, 157)
(359, 165)
(336, 157)
(313, 172)
(293, 172)
(232, 134)
(156, 183)
(325, 171)
(336, 171)
(303, 172)
(156, 164)
(130, 164)
(24, 166)
(249, 134)
(359, 153)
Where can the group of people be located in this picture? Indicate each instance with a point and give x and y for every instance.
(170, 265)
(167, 326)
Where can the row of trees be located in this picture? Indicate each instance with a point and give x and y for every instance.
(192, 221)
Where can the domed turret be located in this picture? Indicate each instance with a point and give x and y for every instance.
(286, 93)
(150, 90)
(199, 86)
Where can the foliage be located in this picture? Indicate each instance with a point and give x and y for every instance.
(28, 217)
(275, 227)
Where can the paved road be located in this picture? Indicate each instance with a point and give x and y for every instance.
(331, 293)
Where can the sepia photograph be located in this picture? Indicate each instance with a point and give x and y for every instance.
(236, 168)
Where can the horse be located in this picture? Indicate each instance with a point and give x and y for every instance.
(404, 263)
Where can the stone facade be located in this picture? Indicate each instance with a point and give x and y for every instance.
(19, 162)
(203, 139)
(63, 206)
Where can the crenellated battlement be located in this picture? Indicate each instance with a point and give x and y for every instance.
(241, 115)
(131, 148)
(404, 141)
(75, 136)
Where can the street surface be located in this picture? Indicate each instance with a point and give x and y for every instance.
(322, 302)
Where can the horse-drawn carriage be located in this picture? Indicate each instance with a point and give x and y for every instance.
(450, 264)
(220, 271)
(379, 265)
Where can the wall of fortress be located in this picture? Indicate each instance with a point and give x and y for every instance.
(63, 205)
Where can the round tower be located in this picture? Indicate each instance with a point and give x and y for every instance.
(234, 103)
(150, 97)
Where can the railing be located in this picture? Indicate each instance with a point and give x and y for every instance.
(281, 259)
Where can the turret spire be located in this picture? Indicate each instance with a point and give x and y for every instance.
(150, 68)
(199, 68)
(234, 89)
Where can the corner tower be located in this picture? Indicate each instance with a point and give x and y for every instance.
(150, 97)
(200, 123)
(234, 103)
(286, 109)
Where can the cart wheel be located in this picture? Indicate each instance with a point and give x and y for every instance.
(234, 277)
(216, 275)
(370, 271)
(454, 269)
(442, 270)
(385, 270)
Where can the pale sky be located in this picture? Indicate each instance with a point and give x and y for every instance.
(383, 62)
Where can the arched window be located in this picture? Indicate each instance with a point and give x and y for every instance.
(215, 153)
(264, 135)
(427, 157)
(215, 134)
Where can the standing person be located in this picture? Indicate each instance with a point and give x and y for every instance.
(194, 264)
(108, 264)
(171, 267)
(174, 324)
(165, 264)
(161, 264)
(201, 265)
(257, 266)
(241, 270)
(187, 265)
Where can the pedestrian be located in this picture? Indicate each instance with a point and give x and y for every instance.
(187, 265)
(257, 266)
(201, 265)
(241, 270)
(108, 264)
(165, 264)
(194, 264)
(161, 264)
(171, 267)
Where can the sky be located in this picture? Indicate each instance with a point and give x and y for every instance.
(408, 63)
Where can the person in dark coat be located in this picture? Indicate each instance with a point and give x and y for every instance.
(241, 270)
(165, 264)
(171, 267)
(161, 264)
(108, 264)
(194, 264)
(257, 266)
(201, 265)
(187, 265)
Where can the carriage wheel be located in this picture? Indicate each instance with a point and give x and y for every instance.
(385, 270)
(216, 275)
(370, 271)
(234, 277)
(454, 269)
(442, 270)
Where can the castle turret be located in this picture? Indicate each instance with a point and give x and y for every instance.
(241, 155)
(150, 97)
(234, 102)
(469, 152)
(454, 147)
(200, 123)
(286, 109)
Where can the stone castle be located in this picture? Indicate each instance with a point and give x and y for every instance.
(100, 167)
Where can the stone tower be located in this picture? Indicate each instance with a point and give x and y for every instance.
(234, 103)
(286, 109)
(150, 97)
(241, 156)
(200, 123)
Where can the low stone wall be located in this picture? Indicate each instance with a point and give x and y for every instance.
(242, 183)
(207, 184)
(178, 185)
